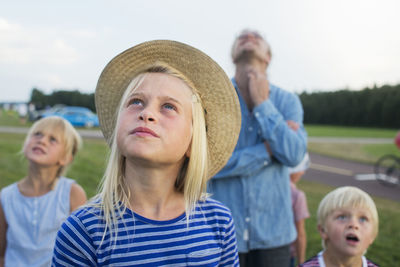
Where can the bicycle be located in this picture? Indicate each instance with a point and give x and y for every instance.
(387, 168)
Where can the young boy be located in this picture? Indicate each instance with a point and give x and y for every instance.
(348, 224)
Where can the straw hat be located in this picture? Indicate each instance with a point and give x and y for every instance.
(219, 98)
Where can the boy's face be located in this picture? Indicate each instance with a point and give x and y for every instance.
(348, 232)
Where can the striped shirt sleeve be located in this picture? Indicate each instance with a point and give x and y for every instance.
(73, 245)
(230, 253)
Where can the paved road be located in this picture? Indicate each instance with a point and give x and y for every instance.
(323, 169)
(23, 130)
(337, 172)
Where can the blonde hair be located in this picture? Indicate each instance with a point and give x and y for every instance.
(347, 197)
(113, 196)
(61, 128)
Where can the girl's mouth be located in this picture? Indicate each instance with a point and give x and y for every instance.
(38, 150)
(143, 131)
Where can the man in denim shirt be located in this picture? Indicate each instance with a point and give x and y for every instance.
(254, 184)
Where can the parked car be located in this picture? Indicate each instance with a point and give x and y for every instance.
(77, 116)
(38, 114)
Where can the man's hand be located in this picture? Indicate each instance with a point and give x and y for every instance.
(258, 86)
(293, 125)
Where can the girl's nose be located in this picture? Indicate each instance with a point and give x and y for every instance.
(147, 115)
(42, 139)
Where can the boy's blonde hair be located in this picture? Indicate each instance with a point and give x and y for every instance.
(347, 197)
(113, 196)
(62, 129)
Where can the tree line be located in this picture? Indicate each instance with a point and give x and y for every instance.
(69, 98)
(370, 107)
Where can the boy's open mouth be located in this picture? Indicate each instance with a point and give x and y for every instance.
(352, 237)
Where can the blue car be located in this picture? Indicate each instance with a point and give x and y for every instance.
(77, 116)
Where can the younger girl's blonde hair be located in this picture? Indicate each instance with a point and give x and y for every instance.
(61, 129)
(346, 197)
(113, 196)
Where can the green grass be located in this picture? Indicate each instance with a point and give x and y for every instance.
(10, 118)
(341, 131)
(365, 153)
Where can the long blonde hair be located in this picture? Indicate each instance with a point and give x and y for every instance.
(113, 196)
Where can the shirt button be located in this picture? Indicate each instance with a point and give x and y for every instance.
(250, 129)
(256, 114)
(265, 163)
(34, 222)
(247, 219)
(246, 235)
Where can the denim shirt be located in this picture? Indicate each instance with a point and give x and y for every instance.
(255, 185)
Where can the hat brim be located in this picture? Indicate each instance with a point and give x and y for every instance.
(219, 98)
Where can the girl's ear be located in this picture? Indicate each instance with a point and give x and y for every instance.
(189, 150)
(66, 160)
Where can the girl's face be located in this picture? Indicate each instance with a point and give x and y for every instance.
(46, 149)
(155, 124)
(348, 232)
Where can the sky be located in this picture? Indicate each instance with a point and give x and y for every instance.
(317, 45)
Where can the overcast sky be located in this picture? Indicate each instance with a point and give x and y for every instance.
(317, 45)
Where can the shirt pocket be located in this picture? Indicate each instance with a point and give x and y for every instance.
(206, 257)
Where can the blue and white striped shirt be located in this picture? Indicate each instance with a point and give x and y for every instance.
(208, 240)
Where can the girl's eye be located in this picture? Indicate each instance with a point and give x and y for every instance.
(363, 219)
(37, 134)
(53, 139)
(341, 217)
(135, 101)
(169, 106)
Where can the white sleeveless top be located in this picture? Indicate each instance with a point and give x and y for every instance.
(33, 223)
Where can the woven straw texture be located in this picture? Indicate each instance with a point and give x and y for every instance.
(223, 117)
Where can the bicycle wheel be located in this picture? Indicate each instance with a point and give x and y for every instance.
(387, 170)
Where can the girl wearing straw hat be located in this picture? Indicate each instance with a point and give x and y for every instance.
(172, 119)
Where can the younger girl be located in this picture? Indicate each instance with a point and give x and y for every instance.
(33, 209)
(171, 117)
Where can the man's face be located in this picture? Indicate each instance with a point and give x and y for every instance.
(250, 45)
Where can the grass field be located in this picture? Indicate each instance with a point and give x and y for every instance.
(365, 153)
(88, 168)
(341, 131)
